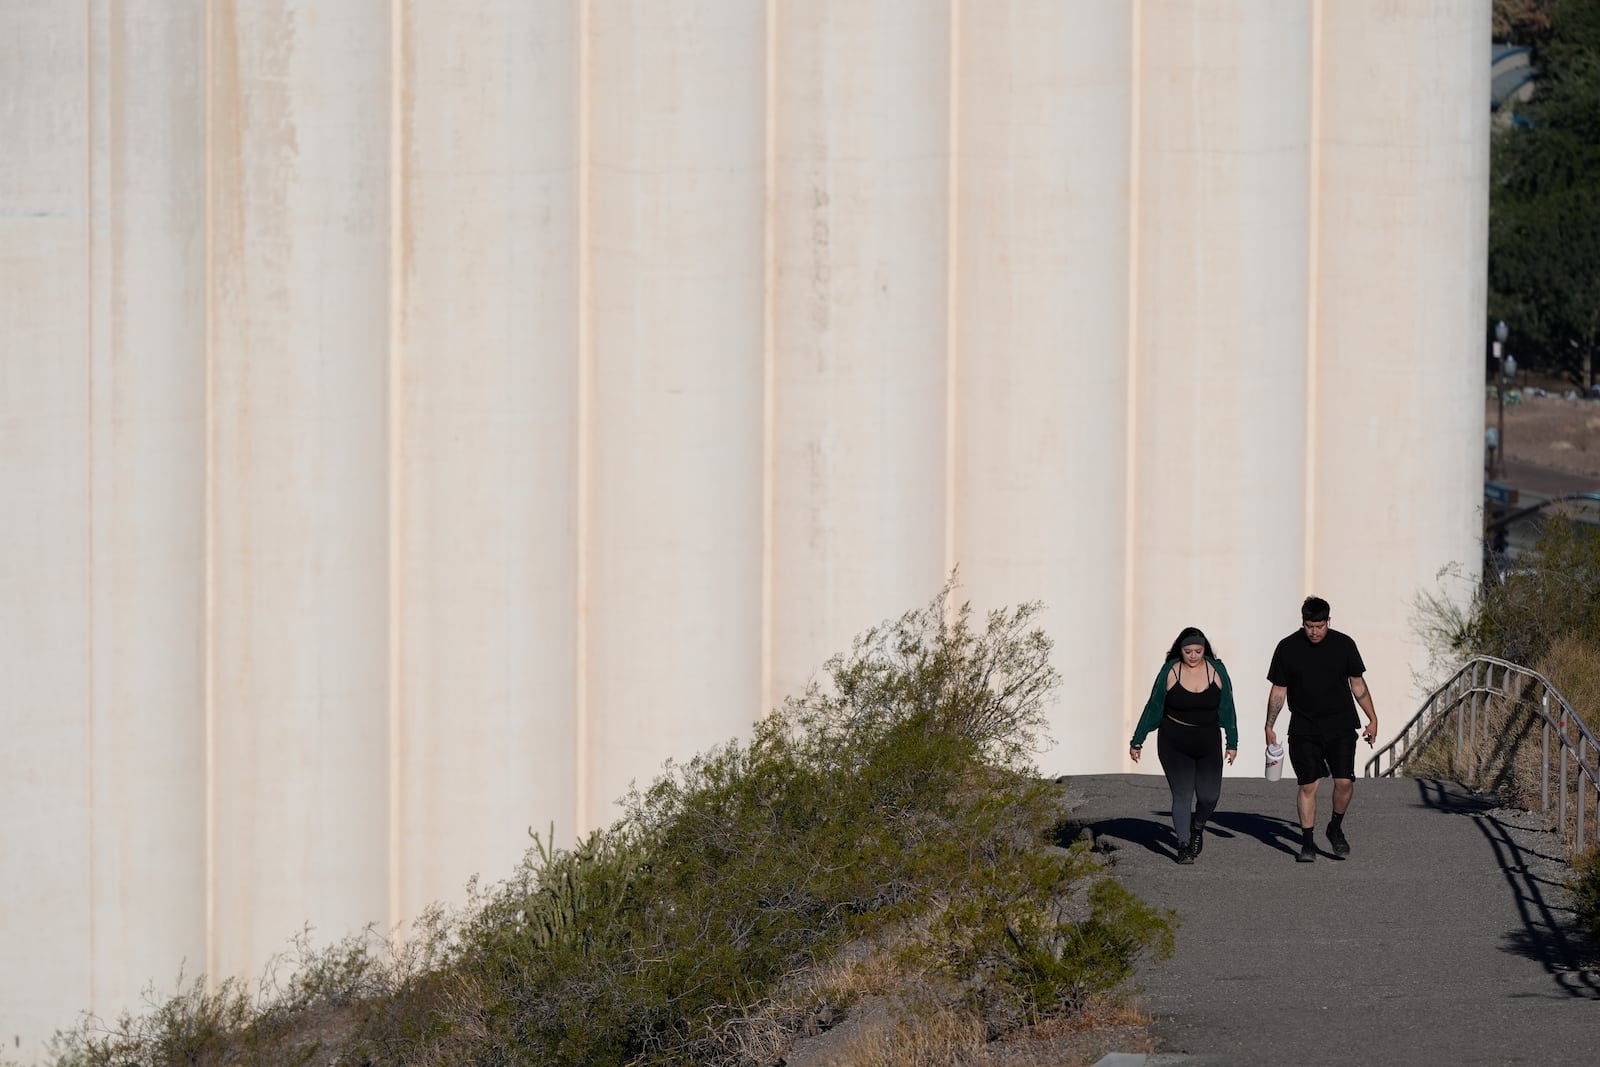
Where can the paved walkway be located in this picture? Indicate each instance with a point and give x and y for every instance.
(1441, 940)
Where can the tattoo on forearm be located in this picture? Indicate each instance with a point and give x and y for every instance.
(1274, 705)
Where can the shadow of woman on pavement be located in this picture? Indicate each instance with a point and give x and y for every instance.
(1112, 834)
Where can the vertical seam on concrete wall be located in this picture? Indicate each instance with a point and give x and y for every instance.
(207, 509)
(89, 354)
(952, 354)
(1131, 405)
(396, 450)
(1313, 287)
(584, 386)
(769, 355)
(952, 313)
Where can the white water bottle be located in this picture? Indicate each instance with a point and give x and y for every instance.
(1274, 762)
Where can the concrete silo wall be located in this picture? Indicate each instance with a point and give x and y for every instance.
(1038, 472)
(1220, 297)
(422, 419)
(1395, 461)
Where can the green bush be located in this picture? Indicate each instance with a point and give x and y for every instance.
(887, 813)
(1544, 615)
(1585, 886)
(1551, 596)
(193, 1026)
(896, 792)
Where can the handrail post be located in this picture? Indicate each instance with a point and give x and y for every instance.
(1562, 824)
(1470, 696)
(1577, 786)
(1544, 753)
(1477, 707)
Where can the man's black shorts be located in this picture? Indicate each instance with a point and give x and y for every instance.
(1314, 758)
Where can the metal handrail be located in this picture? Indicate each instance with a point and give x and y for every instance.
(1464, 696)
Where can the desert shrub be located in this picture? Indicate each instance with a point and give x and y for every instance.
(1044, 944)
(358, 995)
(894, 790)
(1573, 666)
(1584, 884)
(1502, 756)
(1546, 616)
(1554, 595)
(887, 817)
(195, 1025)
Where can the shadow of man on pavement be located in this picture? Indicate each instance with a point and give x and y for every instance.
(1270, 830)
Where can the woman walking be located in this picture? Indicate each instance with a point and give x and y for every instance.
(1191, 699)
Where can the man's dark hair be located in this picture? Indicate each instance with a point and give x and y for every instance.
(1314, 609)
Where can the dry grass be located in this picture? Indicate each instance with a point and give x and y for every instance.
(945, 1032)
(1573, 667)
(870, 1007)
(1503, 754)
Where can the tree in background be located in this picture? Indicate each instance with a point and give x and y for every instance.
(1544, 204)
(1522, 21)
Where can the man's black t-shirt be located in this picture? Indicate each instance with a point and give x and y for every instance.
(1317, 677)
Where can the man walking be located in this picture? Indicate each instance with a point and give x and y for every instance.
(1318, 671)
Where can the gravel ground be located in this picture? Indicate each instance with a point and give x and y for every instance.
(1551, 431)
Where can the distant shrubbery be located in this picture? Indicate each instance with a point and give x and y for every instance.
(1545, 615)
(1585, 887)
(881, 834)
(1551, 598)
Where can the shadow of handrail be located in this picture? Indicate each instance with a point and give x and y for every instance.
(1461, 700)
(1550, 936)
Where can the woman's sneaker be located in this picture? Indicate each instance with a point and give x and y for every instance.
(1341, 847)
(1197, 841)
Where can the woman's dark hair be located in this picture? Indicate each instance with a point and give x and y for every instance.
(1191, 635)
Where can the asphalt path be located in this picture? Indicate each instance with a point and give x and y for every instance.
(1443, 939)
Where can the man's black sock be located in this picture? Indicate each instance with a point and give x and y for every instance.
(1308, 835)
(1338, 818)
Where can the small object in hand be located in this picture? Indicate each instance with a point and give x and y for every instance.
(1274, 762)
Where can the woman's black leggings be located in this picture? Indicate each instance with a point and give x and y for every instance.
(1192, 758)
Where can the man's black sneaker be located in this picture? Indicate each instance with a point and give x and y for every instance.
(1197, 841)
(1341, 847)
(1308, 853)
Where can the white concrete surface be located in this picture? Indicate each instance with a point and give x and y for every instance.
(1397, 423)
(485, 440)
(47, 864)
(298, 105)
(146, 313)
(673, 427)
(1040, 308)
(858, 289)
(1221, 295)
(418, 421)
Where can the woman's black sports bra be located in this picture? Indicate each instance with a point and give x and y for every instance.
(1196, 709)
